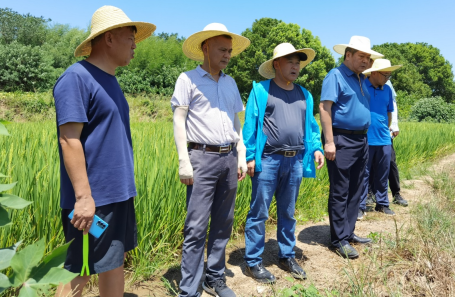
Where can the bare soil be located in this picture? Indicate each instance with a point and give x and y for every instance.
(325, 269)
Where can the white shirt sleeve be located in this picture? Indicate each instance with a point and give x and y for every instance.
(394, 126)
(182, 92)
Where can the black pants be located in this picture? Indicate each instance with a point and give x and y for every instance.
(394, 176)
(346, 175)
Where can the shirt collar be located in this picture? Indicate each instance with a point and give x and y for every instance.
(370, 85)
(202, 72)
(348, 71)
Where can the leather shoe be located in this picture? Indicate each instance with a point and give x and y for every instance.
(260, 274)
(291, 265)
(347, 251)
(360, 240)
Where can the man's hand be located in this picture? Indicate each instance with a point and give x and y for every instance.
(185, 171)
(84, 211)
(319, 158)
(241, 175)
(251, 164)
(395, 134)
(330, 151)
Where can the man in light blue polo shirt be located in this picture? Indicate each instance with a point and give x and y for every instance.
(379, 140)
(345, 118)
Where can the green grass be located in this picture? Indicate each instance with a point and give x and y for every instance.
(30, 156)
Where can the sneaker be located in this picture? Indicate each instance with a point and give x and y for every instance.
(384, 209)
(218, 288)
(371, 199)
(397, 199)
(361, 214)
(291, 265)
(260, 274)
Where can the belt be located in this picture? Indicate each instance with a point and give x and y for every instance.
(287, 154)
(343, 131)
(222, 149)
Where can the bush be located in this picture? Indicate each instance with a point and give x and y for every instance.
(433, 110)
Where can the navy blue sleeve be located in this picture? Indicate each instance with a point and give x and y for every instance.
(71, 99)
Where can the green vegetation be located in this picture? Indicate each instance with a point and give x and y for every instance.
(31, 156)
(433, 110)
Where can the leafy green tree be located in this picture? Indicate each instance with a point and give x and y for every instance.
(265, 34)
(433, 110)
(25, 29)
(425, 72)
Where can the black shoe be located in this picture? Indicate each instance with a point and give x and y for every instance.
(384, 209)
(347, 251)
(371, 199)
(397, 199)
(218, 288)
(291, 265)
(360, 240)
(361, 214)
(260, 274)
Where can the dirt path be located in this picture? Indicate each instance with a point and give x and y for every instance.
(324, 268)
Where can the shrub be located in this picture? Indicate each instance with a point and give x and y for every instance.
(433, 110)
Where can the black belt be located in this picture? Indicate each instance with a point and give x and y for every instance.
(288, 154)
(222, 149)
(343, 131)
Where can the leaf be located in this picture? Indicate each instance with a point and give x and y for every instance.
(6, 187)
(4, 282)
(29, 291)
(13, 201)
(2, 175)
(4, 217)
(25, 260)
(3, 130)
(290, 279)
(55, 259)
(56, 276)
(7, 254)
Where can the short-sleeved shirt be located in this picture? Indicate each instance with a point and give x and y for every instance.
(212, 106)
(86, 94)
(380, 104)
(351, 100)
(284, 119)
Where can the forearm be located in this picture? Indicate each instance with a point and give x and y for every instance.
(74, 160)
(325, 111)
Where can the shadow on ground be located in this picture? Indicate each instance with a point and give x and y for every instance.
(315, 235)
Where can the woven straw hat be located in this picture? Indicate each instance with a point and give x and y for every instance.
(381, 65)
(107, 18)
(192, 45)
(283, 49)
(360, 43)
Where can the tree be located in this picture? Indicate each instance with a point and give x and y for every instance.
(264, 35)
(25, 29)
(425, 72)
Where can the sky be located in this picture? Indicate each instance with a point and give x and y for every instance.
(334, 22)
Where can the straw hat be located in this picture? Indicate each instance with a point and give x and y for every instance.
(381, 65)
(283, 49)
(192, 45)
(359, 43)
(107, 18)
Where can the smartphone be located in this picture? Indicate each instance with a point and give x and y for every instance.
(98, 225)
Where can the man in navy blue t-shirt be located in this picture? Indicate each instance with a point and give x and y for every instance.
(96, 153)
(379, 140)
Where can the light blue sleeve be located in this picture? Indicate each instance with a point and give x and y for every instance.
(249, 127)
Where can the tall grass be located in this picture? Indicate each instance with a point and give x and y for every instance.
(30, 156)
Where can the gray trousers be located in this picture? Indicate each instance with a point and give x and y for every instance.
(212, 195)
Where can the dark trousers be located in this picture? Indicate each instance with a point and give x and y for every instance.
(211, 196)
(394, 176)
(346, 176)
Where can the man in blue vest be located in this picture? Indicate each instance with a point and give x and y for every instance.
(282, 141)
(345, 118)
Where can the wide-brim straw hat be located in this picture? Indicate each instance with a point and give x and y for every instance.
(192, 46)
(381, 65)
(283, 49)
(359, 43)
(107, 18)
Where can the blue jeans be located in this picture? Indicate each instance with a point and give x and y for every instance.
(280, 176)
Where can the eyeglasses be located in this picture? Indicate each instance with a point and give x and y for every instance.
(386, 76)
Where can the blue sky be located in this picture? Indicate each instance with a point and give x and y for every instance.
(334, 22)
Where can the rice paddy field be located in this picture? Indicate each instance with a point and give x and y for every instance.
(30, 156)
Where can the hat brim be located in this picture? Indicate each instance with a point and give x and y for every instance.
(341, 49)
(144, 30)
(385, 69)
(266, 69)
(192, 45)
